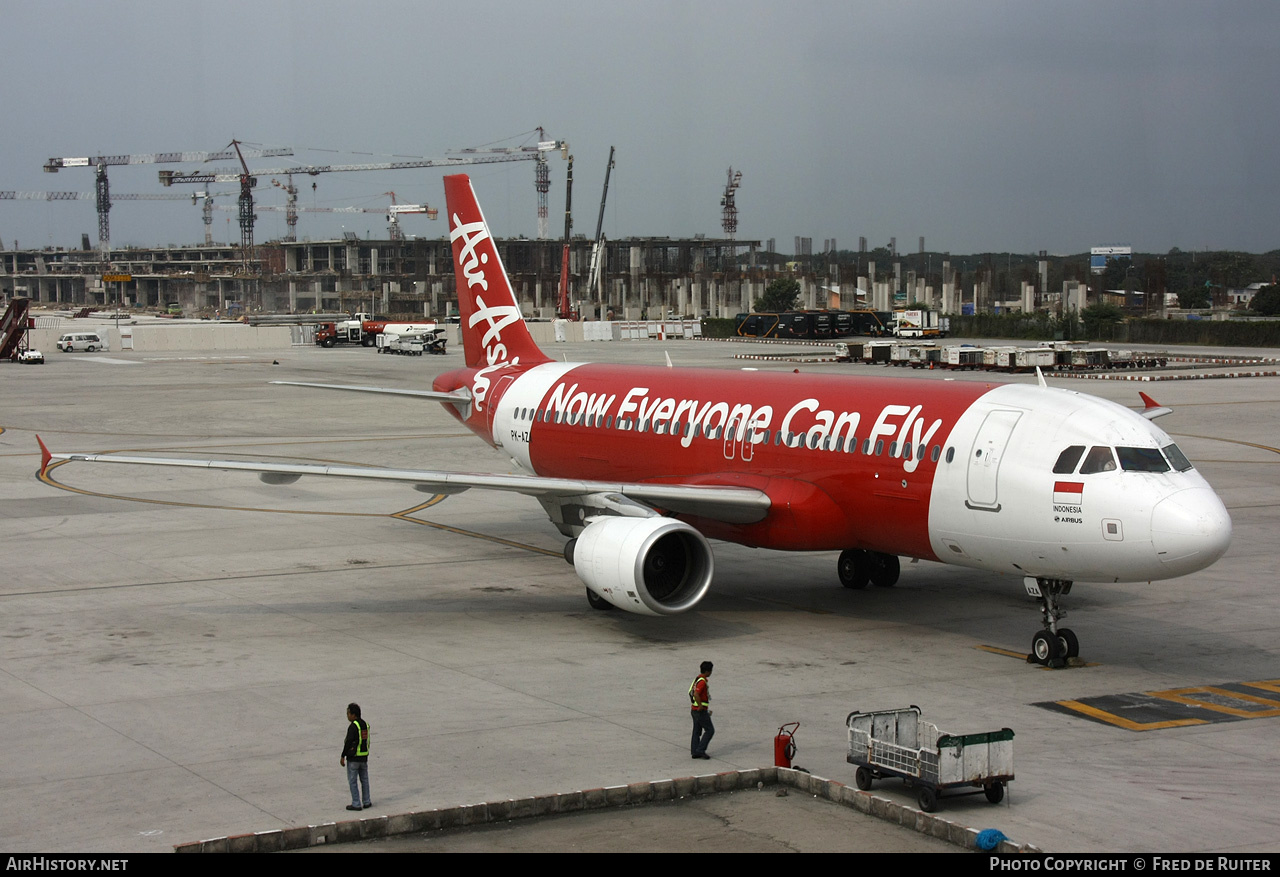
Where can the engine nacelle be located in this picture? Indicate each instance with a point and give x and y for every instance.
(652, 566)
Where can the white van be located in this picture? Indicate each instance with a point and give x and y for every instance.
(87, 341)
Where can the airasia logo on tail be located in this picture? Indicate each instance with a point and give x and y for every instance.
(497, 317)
(472, 233)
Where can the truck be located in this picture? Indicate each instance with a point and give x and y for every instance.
(364, 330)
(919, 324)
(412, 342)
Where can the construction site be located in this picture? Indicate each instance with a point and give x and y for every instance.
(399, 274)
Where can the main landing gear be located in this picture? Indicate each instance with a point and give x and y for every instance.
(857, 567)
(1054, 645)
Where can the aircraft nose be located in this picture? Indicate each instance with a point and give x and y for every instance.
(1190, 529)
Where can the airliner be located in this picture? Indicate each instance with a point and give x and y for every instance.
(639, 466)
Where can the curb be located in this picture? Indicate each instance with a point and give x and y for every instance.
(327, 833)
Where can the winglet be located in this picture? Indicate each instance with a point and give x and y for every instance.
(45, 456)
(1153, 408)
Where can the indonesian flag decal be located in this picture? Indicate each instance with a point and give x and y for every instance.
(1068, 492)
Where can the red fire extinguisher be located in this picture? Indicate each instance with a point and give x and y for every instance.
(784, 745)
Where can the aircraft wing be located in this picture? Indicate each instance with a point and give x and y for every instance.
(460, 399)
(730, 504)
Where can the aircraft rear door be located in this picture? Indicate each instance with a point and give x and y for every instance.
(738, 437)
(984, 460)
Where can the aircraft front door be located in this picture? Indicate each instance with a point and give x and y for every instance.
(984, 459)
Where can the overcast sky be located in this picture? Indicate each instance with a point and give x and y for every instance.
(983, 126)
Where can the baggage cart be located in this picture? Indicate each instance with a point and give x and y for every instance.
(898, 743)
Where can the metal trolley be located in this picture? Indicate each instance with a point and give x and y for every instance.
(898, 743)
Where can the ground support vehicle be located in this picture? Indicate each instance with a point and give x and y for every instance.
(1085, 358)
(86, 341)
(1137, 359)
(877, 352)
(963, 357)
(919, 324)
(898, 743)
(413, 342)
(1030, 358)
(915, 355)
(30, 356)
(408, 344)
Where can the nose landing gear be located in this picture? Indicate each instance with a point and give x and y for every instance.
(1054, 645)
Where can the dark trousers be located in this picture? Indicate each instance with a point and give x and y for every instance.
(703, 731)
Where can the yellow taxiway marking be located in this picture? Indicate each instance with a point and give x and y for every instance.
(1022, 656)
(1265, 685)
(1187, 696)
(404, 515)
(1128, 724)
(1008, 653)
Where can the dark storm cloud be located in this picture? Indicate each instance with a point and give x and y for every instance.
(980, 125)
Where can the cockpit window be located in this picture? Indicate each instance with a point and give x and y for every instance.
(1099, 459)
(1142, 460)
(1177, 458)
(1067, 460)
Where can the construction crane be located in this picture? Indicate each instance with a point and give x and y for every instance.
(247, 178)
(9, 195)
(563, 309)
(103, 188)
(729, 219)
(393, 212)
(541, 173)
(598, 247)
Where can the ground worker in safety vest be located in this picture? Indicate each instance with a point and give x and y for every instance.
(700, 709)
(355, 757)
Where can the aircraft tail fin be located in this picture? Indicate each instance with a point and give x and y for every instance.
(493, 329)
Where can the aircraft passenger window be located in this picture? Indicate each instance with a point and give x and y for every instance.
(879, 447)
(765, 436)
(1177, 458)
(866, 447)
(907, 450)
(644, 425)
(675, 427)
(608, 422)
(1142, 460)
(951, 454)
(852, 447)
(559, 416)
(937, 451)
(1067, 460)
(1098, 460)
(893, 449)
(839, 445)
(659, 427)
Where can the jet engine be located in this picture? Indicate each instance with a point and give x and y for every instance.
(651, 566)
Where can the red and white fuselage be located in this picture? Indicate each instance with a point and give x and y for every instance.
(958, 472)
(639, 466)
